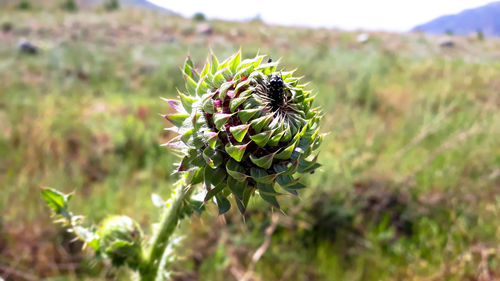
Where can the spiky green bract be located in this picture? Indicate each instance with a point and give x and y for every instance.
(120, 240)
(236, 137)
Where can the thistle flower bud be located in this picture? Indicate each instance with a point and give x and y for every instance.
(244, 126)
(120, 239)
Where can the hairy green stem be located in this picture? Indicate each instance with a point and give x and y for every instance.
(151, 266)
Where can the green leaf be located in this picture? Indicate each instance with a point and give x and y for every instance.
(309, 167)
(197, 176)
(247, 114)
(211, 138)
(219, 79)
(236, 151)
(214, 176)
(57, 201)
(242, 204)
(236, 171)
(208, 106)
(220, 119)
(236, 187)
(224, 88)
(267, 192)
(206, 69)
(214, 191)
(242, 85)
(176, 118)
(262, 138)
(202, 87)
(242, 72)
(263, 162)
(235, 62)
(189, 68)
(276, 138)
(261, 176)
(236, 102)
(288, 134)
(239, 132)
(254, 62)
(267, 68)
(259, 123)
(190, 84)
(286, 152)
(222, 203)
(215, 63)
(287, 181)
(213, 157)
(187, 101)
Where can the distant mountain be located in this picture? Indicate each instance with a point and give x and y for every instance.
(143, 3)
(485, 19)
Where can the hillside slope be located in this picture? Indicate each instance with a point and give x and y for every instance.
(485, 18)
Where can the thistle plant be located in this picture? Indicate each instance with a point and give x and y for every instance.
(242, 127)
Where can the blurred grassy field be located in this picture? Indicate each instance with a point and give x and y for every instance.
(409, 188)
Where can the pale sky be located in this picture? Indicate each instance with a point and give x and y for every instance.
(390, 15)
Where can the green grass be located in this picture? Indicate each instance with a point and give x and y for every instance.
(411, 163)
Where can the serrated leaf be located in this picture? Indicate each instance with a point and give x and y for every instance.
(235, 61)
(261, 139)
(288, 134)
(276, 138)
(288, 169)
(220, 119)
(190, 84)
(223, 90)
(286, 152)
(239, 132)
(236, 187)
(176, 118)
(242, 72)
(187, 101)
(253, 61)
(267, 192)
(222, 203)
(189, 68)
(242, 204)
(202, 87)
(211, 138)
(267, 68)
(236, 171)
(247, 114)
(215, 63)
(219, 79)
(234, 103)
(197, 176)
(263, 162)
(289, 182)
(213, 158)
(259, 123)
(208, 106)
(308, 169)
(236, 151)
(206, 69)
(261, 176)
(242, 85)
(57, 201)
(214, 176)
(214, 191)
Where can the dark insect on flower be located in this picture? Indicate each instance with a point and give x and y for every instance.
(275, 92)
